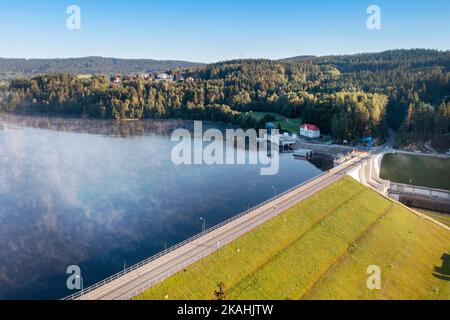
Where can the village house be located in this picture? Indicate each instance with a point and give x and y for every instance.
(179, 76)
(117, 79)
(310, 131)
(145, 76)
(164, 77)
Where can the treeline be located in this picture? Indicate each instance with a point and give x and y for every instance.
(425, 122)
(347, 115)
(87, 65)
(135, 99)
(348, 97)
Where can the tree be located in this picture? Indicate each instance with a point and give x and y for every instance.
(220, 292)
(269, 118)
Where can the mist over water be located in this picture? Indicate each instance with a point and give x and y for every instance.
(105, 196)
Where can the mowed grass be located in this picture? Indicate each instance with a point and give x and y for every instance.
(423, 171)
(441, 217)
(321, 249)
(290, 125)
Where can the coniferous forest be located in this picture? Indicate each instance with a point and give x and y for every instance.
(348, 97)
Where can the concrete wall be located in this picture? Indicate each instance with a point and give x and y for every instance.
(368, 173)
(399, 188)
(420, 197)
(416, 201)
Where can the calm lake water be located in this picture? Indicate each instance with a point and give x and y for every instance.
(105, 196)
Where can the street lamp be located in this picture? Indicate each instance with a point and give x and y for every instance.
(203, 231)
(204, 224)
(275, 190)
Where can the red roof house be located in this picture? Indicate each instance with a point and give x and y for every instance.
(309, 130)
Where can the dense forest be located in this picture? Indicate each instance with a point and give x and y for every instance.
(10, 68)
(346, 96)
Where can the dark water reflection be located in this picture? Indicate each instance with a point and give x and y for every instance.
(101, 196)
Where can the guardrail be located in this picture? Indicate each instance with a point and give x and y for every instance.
(150, 283)
(197, 236)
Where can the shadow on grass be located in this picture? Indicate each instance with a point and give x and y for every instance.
(443, 272)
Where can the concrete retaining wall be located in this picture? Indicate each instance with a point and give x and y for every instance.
(368, 173)
(419, 191)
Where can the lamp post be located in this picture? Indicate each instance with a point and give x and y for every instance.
(275, 190)
(204, 224)
(203, 230)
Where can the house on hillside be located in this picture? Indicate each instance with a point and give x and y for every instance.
(179, 76)
(310, 131)
(116, 79)
(164, 77)
(145, 76)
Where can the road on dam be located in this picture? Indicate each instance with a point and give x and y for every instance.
(134, 281)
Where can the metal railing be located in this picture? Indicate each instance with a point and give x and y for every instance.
(190, 240)
(210, 249)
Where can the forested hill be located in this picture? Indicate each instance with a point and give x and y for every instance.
(413, 58)
(348, 97)
(90, 65)
(388, 60)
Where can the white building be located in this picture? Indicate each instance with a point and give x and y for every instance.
(310, 131)
(164, 77)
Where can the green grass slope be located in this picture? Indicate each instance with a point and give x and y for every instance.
(290, 125)
(321, 249)
(423, 171)
(438, 216)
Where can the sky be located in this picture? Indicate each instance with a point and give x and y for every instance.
(217, 30)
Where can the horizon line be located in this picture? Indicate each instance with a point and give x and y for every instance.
(230, 59)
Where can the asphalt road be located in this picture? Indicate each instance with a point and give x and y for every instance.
(134, 282)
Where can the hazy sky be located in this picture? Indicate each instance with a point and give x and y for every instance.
(214, 30)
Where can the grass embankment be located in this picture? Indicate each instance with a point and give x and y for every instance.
(290, 125)
(320, 249)
(422, 171)
(441, 217)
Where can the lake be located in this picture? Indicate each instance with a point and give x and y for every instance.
(104, 196)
